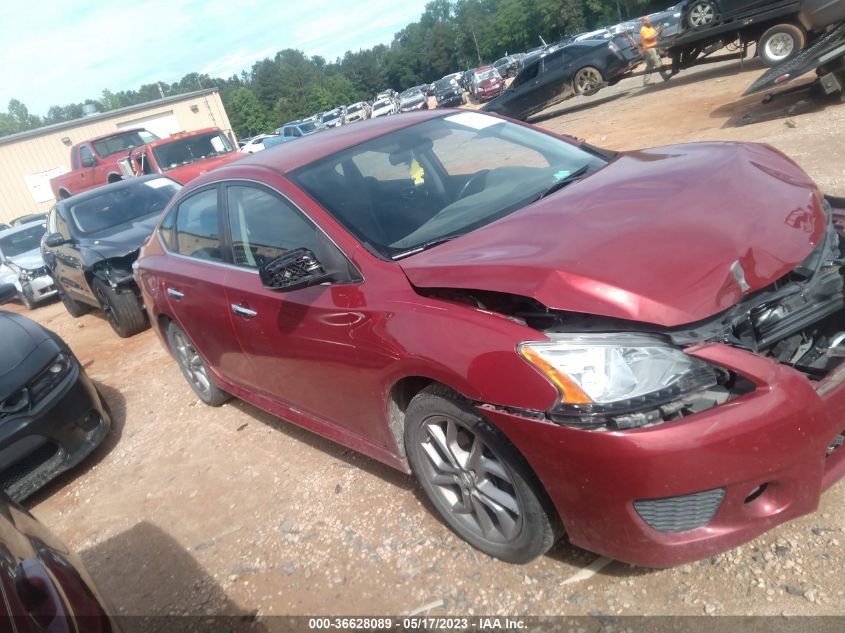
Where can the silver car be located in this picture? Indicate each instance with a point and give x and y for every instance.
(21, 263)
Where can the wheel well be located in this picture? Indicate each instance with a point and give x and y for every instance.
(64, 193)
(400, 397)
(163, 321)
(113, 177)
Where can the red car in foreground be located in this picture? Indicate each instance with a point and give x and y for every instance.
(553, 338)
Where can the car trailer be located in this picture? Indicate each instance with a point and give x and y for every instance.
(826, 56)
(780, 33)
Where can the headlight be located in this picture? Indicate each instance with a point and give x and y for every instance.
(50, 377)
(14, 267)
(615, 373)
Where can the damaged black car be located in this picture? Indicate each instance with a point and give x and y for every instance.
(93, 239)
(51, 415)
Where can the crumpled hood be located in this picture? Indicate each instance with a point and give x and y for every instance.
(651, 237)
(30, 260)
(119, 241)
(27, 349)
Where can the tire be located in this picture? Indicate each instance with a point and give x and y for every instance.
(64, 194)
(122, 309)
(701, 14)
(74, 308)
(193, 367)
(780, 43)
(587, 81)
(480, 485)
(26, 300)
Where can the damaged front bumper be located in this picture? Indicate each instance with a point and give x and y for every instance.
(764, 457)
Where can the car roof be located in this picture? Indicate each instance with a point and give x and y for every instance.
(111, 134)
(115, 186)
(17, 229)
(290, 156)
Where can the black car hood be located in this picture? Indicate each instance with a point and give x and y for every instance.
(121, 240)
(27, 349)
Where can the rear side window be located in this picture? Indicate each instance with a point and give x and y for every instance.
(264, 226)
(198, 228)
(85, 154)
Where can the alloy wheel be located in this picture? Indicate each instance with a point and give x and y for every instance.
(780, 46)
(106, 305)
(191, 363)
(470, 480)
(587, 79)
(702, 14)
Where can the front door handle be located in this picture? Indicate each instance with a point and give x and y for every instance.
(176, 294)
(244, 312)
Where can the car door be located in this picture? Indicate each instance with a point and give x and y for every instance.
(65, 261)
(193, 279)
(88, 167)
(301, 343)
(522, 95)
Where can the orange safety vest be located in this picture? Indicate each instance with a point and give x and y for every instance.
(648, 35)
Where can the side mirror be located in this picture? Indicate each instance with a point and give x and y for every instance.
(7, 292)
(294, 270)
(55, 239)
(89, 161)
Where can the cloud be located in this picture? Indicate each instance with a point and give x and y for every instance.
(61, 51)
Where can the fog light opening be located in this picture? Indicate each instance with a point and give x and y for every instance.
(759, 490)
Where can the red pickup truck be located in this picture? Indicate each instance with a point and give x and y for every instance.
(182, 156)
(95, 162)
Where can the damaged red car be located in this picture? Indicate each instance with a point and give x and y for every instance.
(553, 338)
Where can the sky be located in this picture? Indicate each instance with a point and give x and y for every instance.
(55, 52)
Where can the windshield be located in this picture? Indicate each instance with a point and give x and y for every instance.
(307, 127)
(123, 204)
(119, 142)
(438, 179)
(187, 150)
(22, 242)
(443, 85)
(411, 96)
(488, 74)
(382, 104)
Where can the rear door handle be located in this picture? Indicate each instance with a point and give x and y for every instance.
(244, 312)
(176, 294)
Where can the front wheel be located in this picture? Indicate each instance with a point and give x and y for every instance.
(780, 43)
(123, 310)
(194, 368)
(587, 81)
(478, 482)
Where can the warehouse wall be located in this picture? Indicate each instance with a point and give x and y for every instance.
(27, 164)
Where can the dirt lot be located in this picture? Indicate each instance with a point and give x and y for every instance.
(188, 509)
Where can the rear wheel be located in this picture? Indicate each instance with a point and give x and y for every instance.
(780, 43)
(478, 482)
(123, 310)
(701, 14)
(194, 368)
(587, 81)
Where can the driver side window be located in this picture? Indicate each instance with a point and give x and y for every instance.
(264, 226)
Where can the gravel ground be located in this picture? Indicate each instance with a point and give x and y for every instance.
(189, 509)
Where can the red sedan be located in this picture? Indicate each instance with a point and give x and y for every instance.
(487, 83)
(639, 349)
